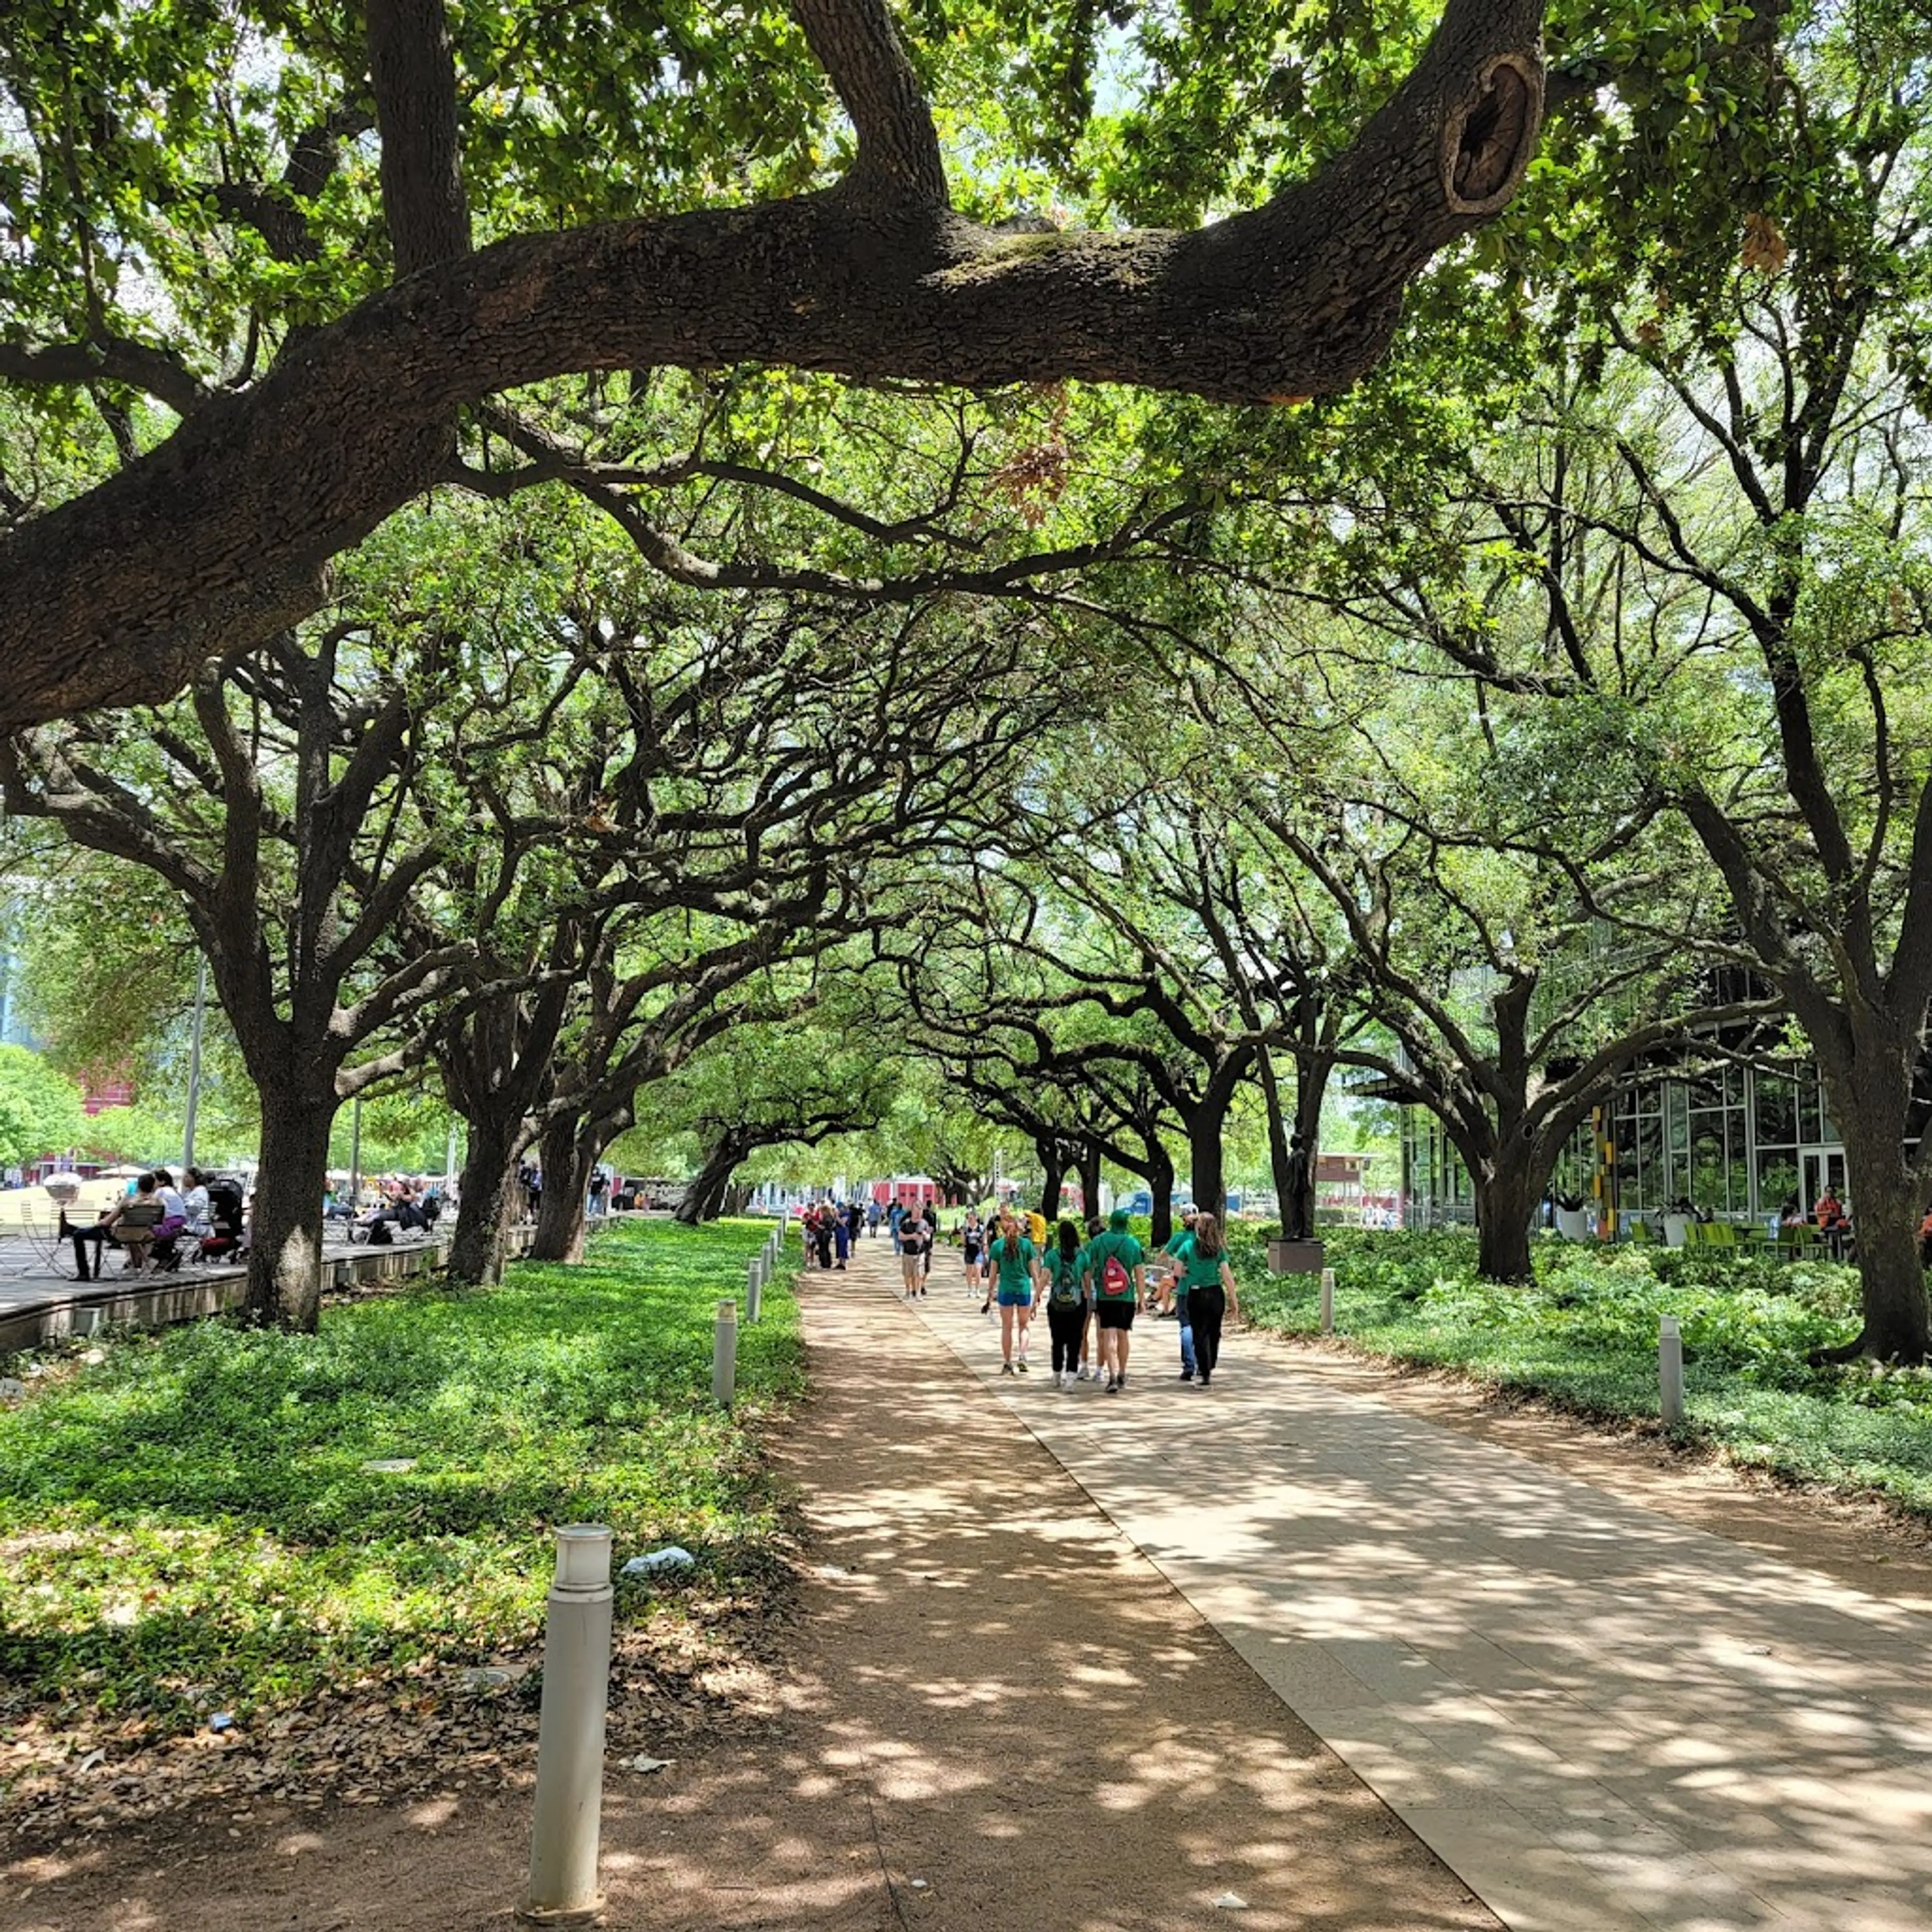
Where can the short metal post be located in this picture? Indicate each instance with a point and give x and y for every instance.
(1328, 1301)
(1669, 1372)
(725, 1353)
(754, 1289)
(570, 1734)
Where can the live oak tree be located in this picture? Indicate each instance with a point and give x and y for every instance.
(1698, 533)
(310, 333)
(293, 806)
(768, 1086)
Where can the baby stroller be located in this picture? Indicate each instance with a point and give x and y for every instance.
(223, 1241)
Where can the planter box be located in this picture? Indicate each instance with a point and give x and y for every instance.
(1295, 1258)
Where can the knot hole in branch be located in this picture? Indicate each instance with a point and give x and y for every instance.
(1489, 143)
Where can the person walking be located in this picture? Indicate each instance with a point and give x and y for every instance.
(1208, 1282)
(913, 1238)
(1177, 1251)
(1016, 1267)
(841, 1237)
(1063, 1270)
(1087, 1372)
(973, 1245)
(1117, 1269)
(895, 1219)
(821, 1234)
(873, 1218)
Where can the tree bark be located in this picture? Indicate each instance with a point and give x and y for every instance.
(1206, 1121)
(1886, 1205)
(566, 1157)
(1054, 1164)
(1312, 1072)
(285, 1242)
(490, 1195)
(1506, 1193)
(704, 1198)
(1277, 1136)
(219, 536)
(1160, 1187)
(1089, 1179)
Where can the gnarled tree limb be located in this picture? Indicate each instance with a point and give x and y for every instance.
(219, 536)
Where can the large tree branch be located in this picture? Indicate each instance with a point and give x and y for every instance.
(158, 373)
(412, 69)
(857, 45)
(221, 535)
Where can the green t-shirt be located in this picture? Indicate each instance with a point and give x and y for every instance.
(1124, 1248)
(1198, 1270)
(1014, 1258)
(1179, 1247)
(1063, 1274)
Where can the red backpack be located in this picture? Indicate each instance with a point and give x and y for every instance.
(1114, 1280)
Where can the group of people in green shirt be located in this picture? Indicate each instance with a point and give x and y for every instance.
(1099, 1284)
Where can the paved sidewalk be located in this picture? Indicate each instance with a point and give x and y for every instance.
(1602, 1719)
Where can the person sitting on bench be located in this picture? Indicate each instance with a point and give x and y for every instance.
(130, 1224)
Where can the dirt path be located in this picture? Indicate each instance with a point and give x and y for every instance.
(996, 1713)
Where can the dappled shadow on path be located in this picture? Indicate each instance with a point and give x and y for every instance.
(1045, 1735)
(1598, 1715)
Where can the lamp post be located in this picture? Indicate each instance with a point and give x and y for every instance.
(194, 1062)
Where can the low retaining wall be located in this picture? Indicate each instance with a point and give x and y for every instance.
(156, 1300)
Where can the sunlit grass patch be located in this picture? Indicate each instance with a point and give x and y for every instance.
(195, 1520)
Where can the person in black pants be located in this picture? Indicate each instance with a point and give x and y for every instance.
(1066, 1304)
(139, 1212)
(1209, 1285)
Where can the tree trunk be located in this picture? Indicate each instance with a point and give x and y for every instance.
(490, 1197)
(1203, 1159)
(704, 1198)
(1053, 1165)
(1885, 1208)
(1089, 1179)
(1311, 1071)
(285, 1241)
(1160, 1186)
(1277, 1136)
(1506, 1197)
(567, 1158)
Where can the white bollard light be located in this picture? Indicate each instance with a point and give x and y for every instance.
(1328, 1301)
(725, 1353)
(754, 1289)
(1669, 1372)
(570, 1735)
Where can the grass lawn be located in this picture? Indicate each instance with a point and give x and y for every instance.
(1585, 1335)
(192, 1522)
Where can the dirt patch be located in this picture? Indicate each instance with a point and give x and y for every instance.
(993, 1711)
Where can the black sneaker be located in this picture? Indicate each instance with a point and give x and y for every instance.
(1187, 1374)
(1021, 1365)
(1006, 1368)
(1113, 1385)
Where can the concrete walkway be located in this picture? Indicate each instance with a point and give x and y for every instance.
(1601, 1719)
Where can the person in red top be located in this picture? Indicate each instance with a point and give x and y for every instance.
(1830, 1211)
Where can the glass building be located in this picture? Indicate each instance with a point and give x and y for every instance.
(1736, 1141)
